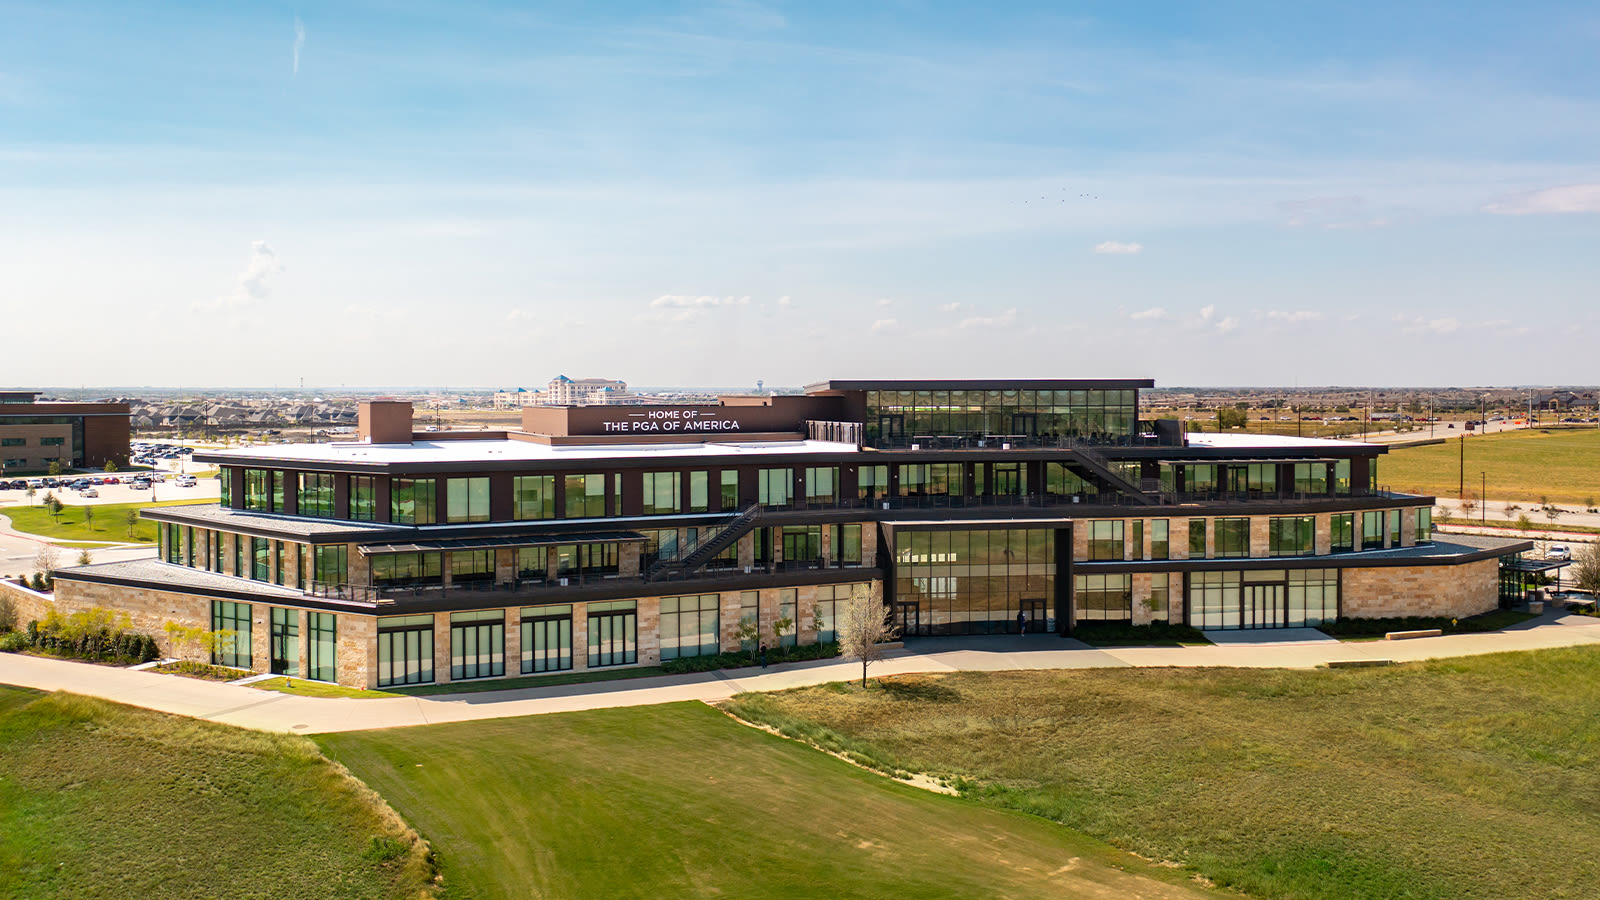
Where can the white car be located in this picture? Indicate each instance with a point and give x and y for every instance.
(88, 492)
(185, 481)
(1558, 553)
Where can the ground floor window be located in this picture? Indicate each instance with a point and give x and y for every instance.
(1103, 598)
(286, 641)
(613, 633)
(1271, 598)
(749, 619)
(546, 639)
(1160, 602)
(689, 626)
(830, 597)
(231, 621)
(405, 650)
(788, 609)
(477, 644)
(973, 582)
(320, 650)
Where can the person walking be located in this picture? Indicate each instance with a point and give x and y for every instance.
(763, 654)
(1022, 622)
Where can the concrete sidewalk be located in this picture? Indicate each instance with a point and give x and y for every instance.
(270, 711)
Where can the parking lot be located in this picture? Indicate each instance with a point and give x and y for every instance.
(172, 477)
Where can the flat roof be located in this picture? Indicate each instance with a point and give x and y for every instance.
(496, 451)
(986, 384)
(1245, 441)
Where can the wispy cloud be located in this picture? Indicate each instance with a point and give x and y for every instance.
(299, 42)
(1420, 325)
(785, 302)
(1226, 325)
(1293, 316)
(949, 307)
(885, 302)
(254, 283)
(684, 308)
(1150, 314)
(1118, 247)
(1009, 317)
(885, 326)
(1573, 198)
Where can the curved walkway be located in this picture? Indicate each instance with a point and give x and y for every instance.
(272, 711)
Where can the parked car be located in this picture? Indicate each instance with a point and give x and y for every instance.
(1558, 553)
(88, 492)
(141, 485)
(185, 481)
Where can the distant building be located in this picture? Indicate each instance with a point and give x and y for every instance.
(35, 433)
(564, 391)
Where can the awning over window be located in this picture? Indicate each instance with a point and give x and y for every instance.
(491, 543)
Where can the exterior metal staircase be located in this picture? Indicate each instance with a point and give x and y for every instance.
(707, 547)
(1097, 464)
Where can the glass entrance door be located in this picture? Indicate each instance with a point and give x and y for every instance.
(285, 642)
(1263, 606)
(1024, 423)
(909, 617)
(1034, 610)
(891, 429)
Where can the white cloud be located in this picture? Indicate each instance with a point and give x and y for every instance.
(785, 302)
(885, 302)
(885, 326)
(1292, 316)
(1009, 317)
(254, 283)
(299, 41)
(684, 308)
(1206, 312)
(1150, 314)
(520, 315)
(1569, 199)
(1118, 247)
(1227, 325)
(949, 307)
(1419, 325)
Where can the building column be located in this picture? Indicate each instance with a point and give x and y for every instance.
(580, 637)
(513, 648)
(441, 648)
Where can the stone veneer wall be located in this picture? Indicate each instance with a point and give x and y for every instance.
(1457, 591)
(148, 610)
(30, 605)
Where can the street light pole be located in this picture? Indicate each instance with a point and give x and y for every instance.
(1483, 498)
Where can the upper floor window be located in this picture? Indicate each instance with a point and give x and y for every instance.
(1160, 547)
(699, 491)
(775, 487)
(413, 501)
(1233, 538)
(872, 482)
(1424, 527)
(1342, 532)
(1197, 538)
(315, 495)
(728, 482)
(364, 498)
(467, 499)
(586, 496)
(1372, 530)
(534, 497)
(663, 493)
(822, 485)
(1105, 539)
(1292, 536)
(258, 490)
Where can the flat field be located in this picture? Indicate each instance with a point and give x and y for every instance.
(681, 801)
(1467, 778)
(99, 800)
(1560, 463)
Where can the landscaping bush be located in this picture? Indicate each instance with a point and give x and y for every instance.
(8, 615)
(93, 634)
(1491, 621)
(751, 658)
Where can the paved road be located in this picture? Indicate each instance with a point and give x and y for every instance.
(270, 711)
(17, 551)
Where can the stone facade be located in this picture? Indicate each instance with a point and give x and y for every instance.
(148, 610)
(1457, 591)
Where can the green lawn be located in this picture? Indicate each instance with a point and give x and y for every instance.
(680, 801)
(1524, 465)
(303, 687)
(99, 800)
(1468, 778)
(110, 521)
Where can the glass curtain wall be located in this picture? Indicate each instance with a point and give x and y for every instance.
(322, 646)
(364, 498)
(973, 581)
(413, 501)
(477, 644)
(466, 499)
(613, 633)
(1272, 598)
(689, 626)
(546, 639)
(233, 644)
(405, 650)
(534, 497)
(1095, 415)
(315, 495)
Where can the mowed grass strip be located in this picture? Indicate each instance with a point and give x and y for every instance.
(109, 523)
(1525, 465)
(1469, 778)
(99, 800)
(680, 801)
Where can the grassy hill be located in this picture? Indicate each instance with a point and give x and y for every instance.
(1466, 778)
(679, 801)
(99, 800)
(1525, 465)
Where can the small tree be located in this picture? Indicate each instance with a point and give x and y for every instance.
(47, 560)
(1523, 522)
(55, 469)
(1469, 503)
(84, 558)
(1552, 513)
(1588, 504)
(88, 517)
(1231, 418)
(863, 627)
(53, 504)
(111, 465)
(30, 492)
(1586, 569)
(131, 518)
(781, 626)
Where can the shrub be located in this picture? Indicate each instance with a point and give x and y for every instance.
(13, 642)
(382, 848)
(94, 634)
(38, 581)
(1122, 632)
(8, 615)
(748, 658)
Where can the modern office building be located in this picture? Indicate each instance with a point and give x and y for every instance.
(35, 433)
(603, 536)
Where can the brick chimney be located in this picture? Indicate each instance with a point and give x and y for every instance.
(384, 421)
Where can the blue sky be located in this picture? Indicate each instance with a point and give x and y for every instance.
(711, 193)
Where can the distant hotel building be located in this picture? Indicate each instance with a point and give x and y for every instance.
(564, 391)
(34, 433)
(600, 536)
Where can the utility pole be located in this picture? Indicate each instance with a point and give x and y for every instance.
(1461, 486)
(1483, 498)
